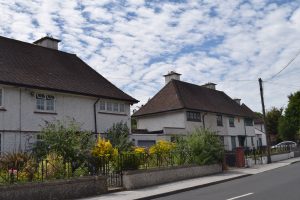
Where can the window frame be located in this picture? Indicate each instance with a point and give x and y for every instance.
(247, 121)
(101, 104)
(193, 116)
(42, 106)
(122, 105)
(218, 122)
(231, 123)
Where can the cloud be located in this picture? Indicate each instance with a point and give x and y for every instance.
(133, 43)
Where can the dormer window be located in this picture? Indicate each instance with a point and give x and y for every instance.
(45, 102)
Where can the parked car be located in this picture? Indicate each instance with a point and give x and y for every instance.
(290, 144)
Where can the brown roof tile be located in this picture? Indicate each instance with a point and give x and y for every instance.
(179, 95)
(29, 65)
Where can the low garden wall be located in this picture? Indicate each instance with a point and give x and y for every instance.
(56, 189)
(275, 158)
(283, 156)
(148, 177)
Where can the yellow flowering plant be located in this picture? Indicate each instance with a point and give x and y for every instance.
(104, 149)
(162, 147)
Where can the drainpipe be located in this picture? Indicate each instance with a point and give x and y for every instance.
(95, 115)
(203, 119)
(20, 119)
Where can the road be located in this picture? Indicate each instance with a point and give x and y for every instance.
(278, 184)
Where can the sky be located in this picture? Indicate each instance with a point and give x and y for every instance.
(133, 43)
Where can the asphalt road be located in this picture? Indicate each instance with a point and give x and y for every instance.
(278, 184)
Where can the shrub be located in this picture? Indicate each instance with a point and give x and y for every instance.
(205, 147)
(118, 135)
(66, 140)
(104, 148)
(162, 147)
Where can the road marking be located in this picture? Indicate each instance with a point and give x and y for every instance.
(240, 196)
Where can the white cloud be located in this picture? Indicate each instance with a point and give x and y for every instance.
(134, 42)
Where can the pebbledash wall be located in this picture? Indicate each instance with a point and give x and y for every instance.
(20, 121)
(149, 177)
(56, 189)
(175, 122)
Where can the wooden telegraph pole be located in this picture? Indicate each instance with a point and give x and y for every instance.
(264, 118)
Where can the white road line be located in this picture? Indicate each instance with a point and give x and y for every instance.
(240, 196)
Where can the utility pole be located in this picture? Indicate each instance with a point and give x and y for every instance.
(264, 117)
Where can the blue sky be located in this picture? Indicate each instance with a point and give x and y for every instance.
(134, 42)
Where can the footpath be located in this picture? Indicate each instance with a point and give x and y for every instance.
(185, 185)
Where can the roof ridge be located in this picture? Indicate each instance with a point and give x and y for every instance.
(178, 92)
(34, 45)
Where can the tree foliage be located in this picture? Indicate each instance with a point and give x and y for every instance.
(289, 124)
(64, 138)
(205, 146)
(118, 135)
(272, 120)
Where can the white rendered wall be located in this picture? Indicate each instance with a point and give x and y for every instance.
(19, 114)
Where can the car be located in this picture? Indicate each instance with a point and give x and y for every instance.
(283, 144)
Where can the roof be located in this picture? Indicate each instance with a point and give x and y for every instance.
(178, 95)
(28, 65)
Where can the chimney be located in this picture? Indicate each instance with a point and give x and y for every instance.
(237, 100)
(171, 75)
(48, 42)
(210, 86)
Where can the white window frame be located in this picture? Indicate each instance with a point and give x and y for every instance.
(102, 103)
(46, 98)
(115, 107)
(2, 97)
(120, 106)
(109, 104)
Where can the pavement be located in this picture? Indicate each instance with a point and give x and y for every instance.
(191, 184)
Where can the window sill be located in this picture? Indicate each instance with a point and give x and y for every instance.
(2, 109)
(220, 125)
(112, 113)
(45, 112)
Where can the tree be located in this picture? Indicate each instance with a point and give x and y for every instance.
(65, 139)
(118, 135)
(272, 120)
(289, 124)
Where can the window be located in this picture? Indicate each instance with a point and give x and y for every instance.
(248, 122)
(233, 142)
(145, 143)
(219, 120)
(122, 107)
(109, 106)
(193, 116)
(116, 107)
(102, 105)
(231, 121)
(45, 102)
(1, 97)
(50, 102)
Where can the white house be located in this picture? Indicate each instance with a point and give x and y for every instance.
(260, 132)
(39, 83)
(181, 107)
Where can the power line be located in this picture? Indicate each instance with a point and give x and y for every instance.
(285, 66)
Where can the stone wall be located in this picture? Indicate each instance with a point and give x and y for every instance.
(143, 178)
(55, 190)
